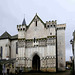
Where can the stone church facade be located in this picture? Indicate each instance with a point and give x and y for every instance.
(37, 46)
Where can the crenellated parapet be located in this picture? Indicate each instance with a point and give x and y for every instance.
(51, 23)
(21, 31)
(21, 27)
(51, 27)
(61, 26)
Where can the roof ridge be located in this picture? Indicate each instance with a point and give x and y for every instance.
(33, 19)
(5, 33)
(14, 35)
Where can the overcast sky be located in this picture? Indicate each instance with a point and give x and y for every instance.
(12, 13)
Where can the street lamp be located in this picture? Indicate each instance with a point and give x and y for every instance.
(72, 42)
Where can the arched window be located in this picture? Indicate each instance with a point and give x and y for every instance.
(16, 47)
(36, 23)
(1, 50)
(34, 40)
(9, 51)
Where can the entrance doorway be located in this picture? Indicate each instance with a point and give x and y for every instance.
(36, 63)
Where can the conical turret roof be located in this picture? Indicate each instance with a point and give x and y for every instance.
(24, 22)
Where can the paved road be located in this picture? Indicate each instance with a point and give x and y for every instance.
(61, 73)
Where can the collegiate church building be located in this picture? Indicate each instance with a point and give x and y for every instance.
(37, 46)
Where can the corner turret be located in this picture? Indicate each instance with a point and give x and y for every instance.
(21, 30)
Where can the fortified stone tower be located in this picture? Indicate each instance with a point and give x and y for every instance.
(61, 46)
(51, 28)
(51, 42)
(21, 44)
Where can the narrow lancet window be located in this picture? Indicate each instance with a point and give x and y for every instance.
(16, 47)
(1, 50)
(34, 40)
(36, 23)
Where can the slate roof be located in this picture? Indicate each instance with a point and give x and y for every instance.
(6, 35)
(24, 22)
(14, 37)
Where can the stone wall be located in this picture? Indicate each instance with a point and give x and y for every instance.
(13, 48)
(5, 43)
(61, 46)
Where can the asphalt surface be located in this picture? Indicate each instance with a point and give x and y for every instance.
(60, 73)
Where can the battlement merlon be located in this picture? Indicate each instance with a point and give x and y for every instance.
(61, 26)
(21, 27)
(51, 22)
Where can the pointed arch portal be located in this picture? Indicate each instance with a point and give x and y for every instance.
(36, 63)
